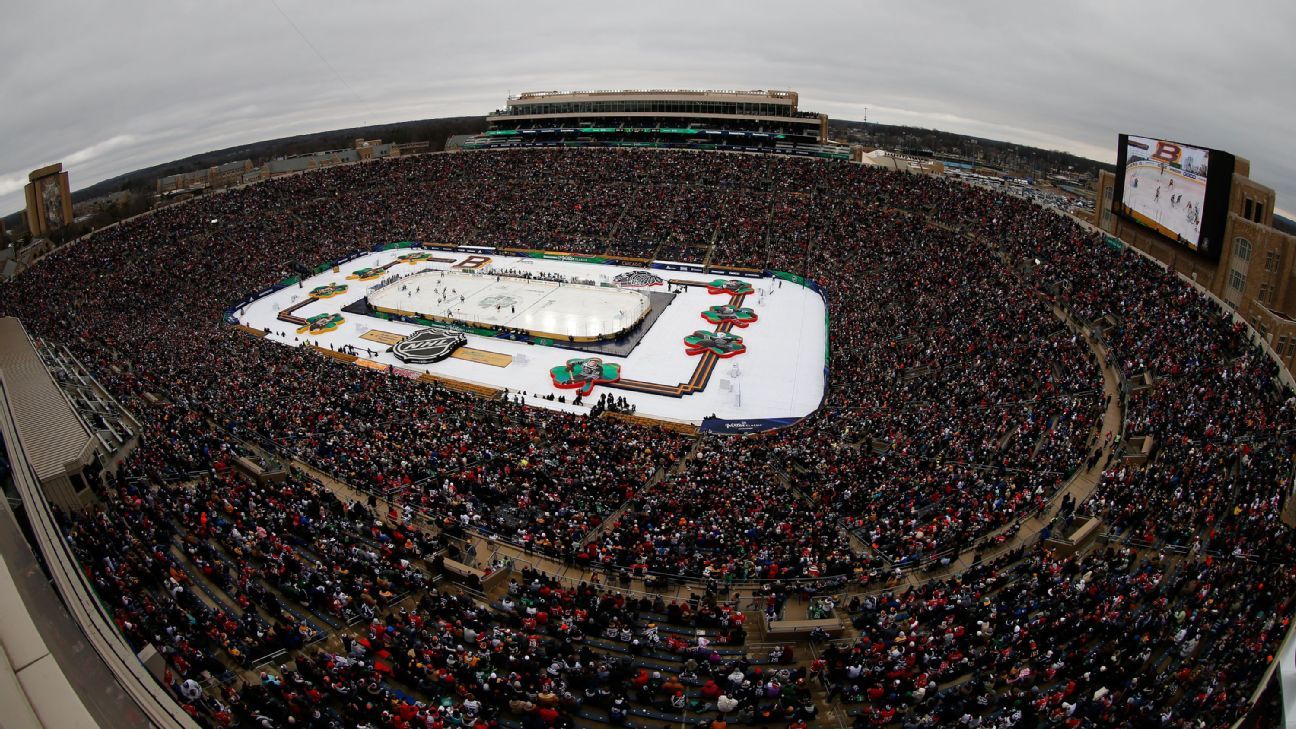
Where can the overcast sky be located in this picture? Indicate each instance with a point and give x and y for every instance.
(109, 87)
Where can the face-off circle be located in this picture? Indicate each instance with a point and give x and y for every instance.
(498, 301)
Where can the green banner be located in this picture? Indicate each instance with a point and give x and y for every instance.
(827, 337)
(799, 280)
(560, 257)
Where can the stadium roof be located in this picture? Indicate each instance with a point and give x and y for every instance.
(760, 93)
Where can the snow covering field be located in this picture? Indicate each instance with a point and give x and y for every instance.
(781, 375)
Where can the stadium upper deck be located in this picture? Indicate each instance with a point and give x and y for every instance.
(765, 121)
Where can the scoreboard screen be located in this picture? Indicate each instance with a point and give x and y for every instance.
(1178, 190)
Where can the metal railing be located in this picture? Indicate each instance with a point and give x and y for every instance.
(78, 596)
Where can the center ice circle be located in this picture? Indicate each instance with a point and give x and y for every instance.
(542, 308)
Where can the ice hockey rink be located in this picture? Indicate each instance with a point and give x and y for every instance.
(1149, 192)
(544, 308)
(780, 375)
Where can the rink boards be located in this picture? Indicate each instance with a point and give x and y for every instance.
(780, 374)
(565, 311)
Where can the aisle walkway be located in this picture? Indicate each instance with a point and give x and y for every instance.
(1080, 487)
(486, 551)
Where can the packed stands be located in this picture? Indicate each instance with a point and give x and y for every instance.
(960, 403)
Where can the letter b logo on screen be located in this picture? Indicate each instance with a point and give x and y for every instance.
(1167, 152)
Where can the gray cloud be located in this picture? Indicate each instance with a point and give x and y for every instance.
(111, 87)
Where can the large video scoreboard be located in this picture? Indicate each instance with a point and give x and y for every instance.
(1178, 190)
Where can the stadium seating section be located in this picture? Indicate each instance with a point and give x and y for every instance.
(959, 404)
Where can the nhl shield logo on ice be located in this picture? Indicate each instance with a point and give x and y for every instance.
(429, 345)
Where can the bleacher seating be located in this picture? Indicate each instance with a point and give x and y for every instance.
(960, 407)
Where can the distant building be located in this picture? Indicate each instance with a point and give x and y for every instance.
(242, 172)
(49, 200)
(101, 203)
(409, 148)
(361, 150)
(457, 141)
(752, 121)
(230, 173)
(900, 162)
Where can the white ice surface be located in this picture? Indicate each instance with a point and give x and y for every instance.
(780, 375)
(518, 303)
(1159, 208)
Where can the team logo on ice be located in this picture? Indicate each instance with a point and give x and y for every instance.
(729, 286)
(321, 324)
(498, 301)
(413, 258)
(327, 290)
(739, 316)
(583, 373)
(637, 279)
(365, 274)
(429, 345)
(722, 344)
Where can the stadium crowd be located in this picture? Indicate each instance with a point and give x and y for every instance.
(959, 404)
